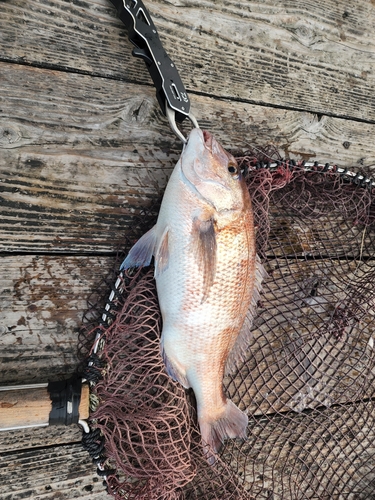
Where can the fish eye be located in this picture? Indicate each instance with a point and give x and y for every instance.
(232, 169)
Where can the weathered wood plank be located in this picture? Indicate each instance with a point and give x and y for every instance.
(79, 160)
(62, 472)
(317, 56)
(24, 439)
(43, 300)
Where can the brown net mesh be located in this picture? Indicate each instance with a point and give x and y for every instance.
(307, 382)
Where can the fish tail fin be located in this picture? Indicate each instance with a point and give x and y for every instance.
(232, 424)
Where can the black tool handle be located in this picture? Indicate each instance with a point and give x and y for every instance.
(143, 34)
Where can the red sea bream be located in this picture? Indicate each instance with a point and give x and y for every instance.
(208, 279)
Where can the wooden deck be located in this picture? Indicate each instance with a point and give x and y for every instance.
(84, 146)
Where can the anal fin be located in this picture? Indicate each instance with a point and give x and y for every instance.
(172, 369)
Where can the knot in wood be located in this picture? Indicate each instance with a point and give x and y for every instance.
(137, 111)
(9, 136)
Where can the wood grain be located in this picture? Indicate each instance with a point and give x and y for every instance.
(25, 439)
(79, 161)
(43, 302)
(317, 56)
(61, 472)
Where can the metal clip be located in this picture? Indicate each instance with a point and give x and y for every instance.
(172, 122)
(170, 91)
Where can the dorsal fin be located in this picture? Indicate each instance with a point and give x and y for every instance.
(238, 353)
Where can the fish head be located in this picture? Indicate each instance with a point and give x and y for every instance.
(212, 172)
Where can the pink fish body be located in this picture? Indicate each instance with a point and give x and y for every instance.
(208, 280)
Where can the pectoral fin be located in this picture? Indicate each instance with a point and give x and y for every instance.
(141, 253)
(206, 249)
(162, 254)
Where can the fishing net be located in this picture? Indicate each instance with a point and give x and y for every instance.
(307, 382)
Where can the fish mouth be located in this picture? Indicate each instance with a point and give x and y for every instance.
(207, 139)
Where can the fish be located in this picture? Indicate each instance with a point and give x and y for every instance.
(208, 279)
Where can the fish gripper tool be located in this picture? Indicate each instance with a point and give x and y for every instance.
(170, 90)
